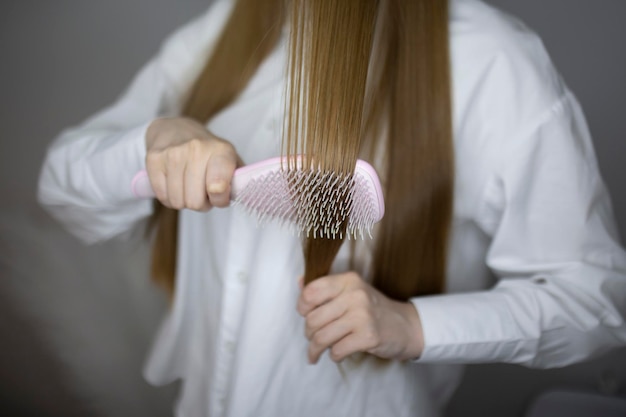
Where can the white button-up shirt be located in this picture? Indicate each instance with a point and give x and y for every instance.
(536, 275)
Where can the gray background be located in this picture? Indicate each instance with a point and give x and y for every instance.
(75, 322)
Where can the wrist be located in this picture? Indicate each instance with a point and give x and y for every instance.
(414, 333)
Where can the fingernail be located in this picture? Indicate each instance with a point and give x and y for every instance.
(217, 187)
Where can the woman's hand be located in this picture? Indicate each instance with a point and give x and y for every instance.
(188, 166)
(347, 315)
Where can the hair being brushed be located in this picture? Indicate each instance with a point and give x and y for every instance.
(367, 78)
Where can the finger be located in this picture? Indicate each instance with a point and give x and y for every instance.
(324, 315)
(196, 197)
(158, 183)
(319, 292)
(156, 175)
(327, 337)
(219, 174)
(175, 165)
(352, 343)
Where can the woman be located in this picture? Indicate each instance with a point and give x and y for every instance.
(488, 171)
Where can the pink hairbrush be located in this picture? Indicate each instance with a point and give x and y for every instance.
(309, 201)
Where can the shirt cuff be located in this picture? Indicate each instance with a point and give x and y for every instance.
(124, 158)
(470, 328)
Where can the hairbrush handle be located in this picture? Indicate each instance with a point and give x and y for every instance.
(140, 185)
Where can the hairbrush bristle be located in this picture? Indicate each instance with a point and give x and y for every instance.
(312, 202)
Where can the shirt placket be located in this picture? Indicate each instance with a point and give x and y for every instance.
(233, 301)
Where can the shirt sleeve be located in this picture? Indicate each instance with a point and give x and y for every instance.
(561, 292)
(85, 181)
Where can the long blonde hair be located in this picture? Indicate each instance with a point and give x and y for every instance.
(365, 76)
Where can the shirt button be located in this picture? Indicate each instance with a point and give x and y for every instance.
(242, 277)
(540, 281)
